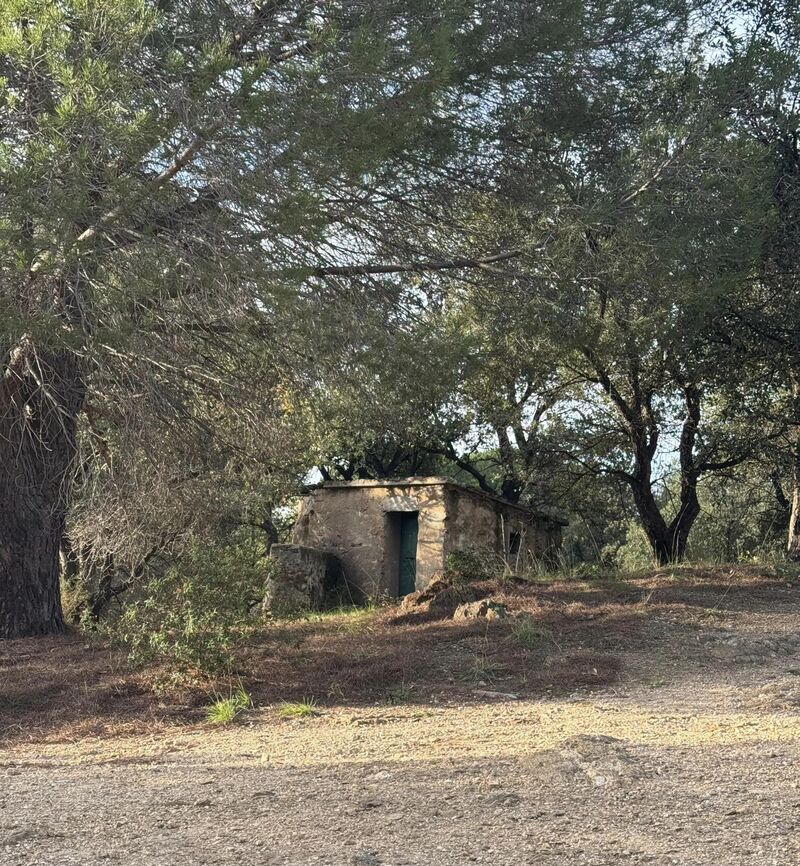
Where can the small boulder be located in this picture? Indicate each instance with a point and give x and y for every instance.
(421, 596)
(365, 858)
(483, 609)
(439, 599)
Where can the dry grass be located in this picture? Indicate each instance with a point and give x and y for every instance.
(66, 689)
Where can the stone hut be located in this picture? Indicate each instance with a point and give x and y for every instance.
(391, 537)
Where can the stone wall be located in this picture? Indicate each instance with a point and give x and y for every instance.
(297, 578)
(482, 523)
(472, 523)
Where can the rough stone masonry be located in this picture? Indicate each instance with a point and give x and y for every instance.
(362, 524)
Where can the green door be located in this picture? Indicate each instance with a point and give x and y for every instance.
(409, 527)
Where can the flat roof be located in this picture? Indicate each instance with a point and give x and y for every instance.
(437, 481)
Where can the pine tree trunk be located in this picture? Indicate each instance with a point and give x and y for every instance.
(40, 396)
(793, 540)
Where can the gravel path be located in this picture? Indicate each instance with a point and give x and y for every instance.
(696, 767)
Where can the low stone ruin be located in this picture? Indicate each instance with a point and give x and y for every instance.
(301, 578)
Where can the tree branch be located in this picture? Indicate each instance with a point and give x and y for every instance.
(415, 267)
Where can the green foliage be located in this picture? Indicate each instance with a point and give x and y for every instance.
(741, 520)
(176, 179)
(195, 220)
(639, 221)
(483, 670)
(787, 570)
(402, 693)
(190, 616)
(224, 710)
(635, 552)
(528, 633)
(472, 565)
(304, 709)
(74, 600)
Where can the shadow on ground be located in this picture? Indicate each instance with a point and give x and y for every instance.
(64, 688)
(561, 638)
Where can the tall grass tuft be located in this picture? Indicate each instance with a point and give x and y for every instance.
(300, 710)
(223, 711)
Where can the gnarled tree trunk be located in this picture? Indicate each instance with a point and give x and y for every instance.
(668, 541)
(40, 396)
(654, 525)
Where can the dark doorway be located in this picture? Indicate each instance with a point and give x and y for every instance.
(407, 572)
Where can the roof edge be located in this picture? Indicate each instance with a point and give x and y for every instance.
(437, 481)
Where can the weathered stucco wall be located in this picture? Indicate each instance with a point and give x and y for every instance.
(352, 523)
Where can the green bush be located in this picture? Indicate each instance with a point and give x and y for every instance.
(469, 566)
(635, 554)
(190, 615)
(74, 601)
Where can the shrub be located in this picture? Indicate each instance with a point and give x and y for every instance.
(485, 670)
(469, 566)
(74, 601)
(400, 694)
(560, 565)
(190, 615)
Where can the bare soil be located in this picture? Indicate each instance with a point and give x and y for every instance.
(655, 720)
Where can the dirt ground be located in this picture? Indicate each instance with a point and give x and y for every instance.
(653, 721)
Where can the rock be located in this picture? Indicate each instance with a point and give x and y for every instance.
(411, 600)
(365, 858)
(505, 799)
(506, 696)
(20, 836)
(421, 596)
(603, 760)
(440, 598)
(483, 609)
(380, 776)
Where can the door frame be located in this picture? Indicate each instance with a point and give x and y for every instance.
(393, 521)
